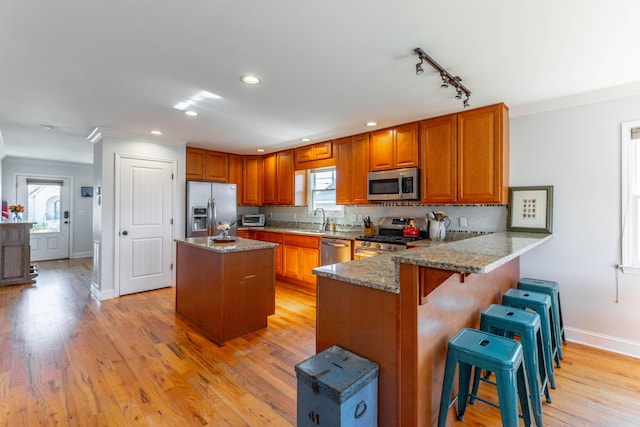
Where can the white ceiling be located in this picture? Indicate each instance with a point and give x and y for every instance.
(327, 66)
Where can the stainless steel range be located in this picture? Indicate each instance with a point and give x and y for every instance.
(390, 237)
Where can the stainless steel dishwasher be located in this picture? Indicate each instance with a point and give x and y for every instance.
(333, 251)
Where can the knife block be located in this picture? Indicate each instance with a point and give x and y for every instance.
(369, 231)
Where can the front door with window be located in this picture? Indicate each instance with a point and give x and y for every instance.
(47, 205)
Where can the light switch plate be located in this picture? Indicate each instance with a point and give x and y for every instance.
(463, 221)
(353, 218)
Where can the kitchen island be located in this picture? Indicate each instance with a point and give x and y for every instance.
(225, 289)
(400, 310)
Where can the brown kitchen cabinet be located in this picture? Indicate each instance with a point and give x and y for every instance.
(483, 155)
(314, 155)
(252, 179)
(464, 158)
(439, 160)
(195, 159)
(352, 166)
(282, 184)
(300, 254)
(205, 165)
(394, 148)
(235, 175)
(15, 253)
(216, 166)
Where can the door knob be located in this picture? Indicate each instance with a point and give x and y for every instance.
(125, 233)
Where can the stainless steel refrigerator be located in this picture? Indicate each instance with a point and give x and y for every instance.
(209, 204)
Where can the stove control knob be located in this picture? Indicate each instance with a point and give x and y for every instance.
(391, 248)
(378, 246)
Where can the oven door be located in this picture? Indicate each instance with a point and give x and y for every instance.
(359, 253)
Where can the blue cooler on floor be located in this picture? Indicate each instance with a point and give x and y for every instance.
(337, 388)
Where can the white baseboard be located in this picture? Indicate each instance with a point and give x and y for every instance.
(604, 342)
(88, 254)
(101, 295)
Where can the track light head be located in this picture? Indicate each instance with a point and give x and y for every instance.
(465, 103)
(459, 93)
(419, 69)
(445, 81)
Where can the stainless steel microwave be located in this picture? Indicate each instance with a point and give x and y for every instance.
(395, 184)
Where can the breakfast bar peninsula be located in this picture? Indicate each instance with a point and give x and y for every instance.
(400, 310)
(225, 289)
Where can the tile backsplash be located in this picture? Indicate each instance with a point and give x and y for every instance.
(479, 218)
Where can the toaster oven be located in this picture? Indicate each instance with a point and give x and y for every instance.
(252, 220)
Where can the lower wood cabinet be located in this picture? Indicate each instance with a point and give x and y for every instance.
(15, 253)
(300, 255)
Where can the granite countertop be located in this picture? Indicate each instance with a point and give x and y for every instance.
(478, 255)
(349, 235)
(239, 245)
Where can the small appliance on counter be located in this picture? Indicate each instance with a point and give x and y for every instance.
(393, 235)
(252, 220)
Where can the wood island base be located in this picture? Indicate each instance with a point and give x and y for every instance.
(225, 295)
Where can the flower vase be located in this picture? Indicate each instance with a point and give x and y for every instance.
(225, 234)
(17, 217)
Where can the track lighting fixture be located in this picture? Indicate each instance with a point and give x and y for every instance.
(447, 79)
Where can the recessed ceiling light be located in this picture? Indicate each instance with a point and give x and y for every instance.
(46, 127)
(156, 132)
(260, 150)
(250, 79)
(305, 139)
(191, 113)
(372, 124)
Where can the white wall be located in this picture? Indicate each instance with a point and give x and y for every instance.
(104, 234)
(577, 150)
(82, 211)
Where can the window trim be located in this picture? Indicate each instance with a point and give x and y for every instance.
(339, 208)
(630, 214)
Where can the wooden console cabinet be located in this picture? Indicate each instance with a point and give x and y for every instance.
(15, 253)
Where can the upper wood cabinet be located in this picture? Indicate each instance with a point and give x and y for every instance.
(195, 163)
(282, 185)
(352, 166)
(483, 155)
(464, 158)
(394, 148)
(206, 165)
(252, 180)
(216, 166)
(439, 160)
(235, 175)
(314, 155)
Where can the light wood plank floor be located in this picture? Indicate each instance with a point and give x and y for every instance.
(68, 360)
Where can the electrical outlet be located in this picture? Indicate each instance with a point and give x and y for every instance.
(270, 215)
(359, 218)
(353, 218)
(463, 221)
(295, 216)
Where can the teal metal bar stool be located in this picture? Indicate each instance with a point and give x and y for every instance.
(553, 290)
(483, 350)
(541, 304)
(511, 321)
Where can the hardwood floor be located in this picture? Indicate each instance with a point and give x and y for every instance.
(67, 359)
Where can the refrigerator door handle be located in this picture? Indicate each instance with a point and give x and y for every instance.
(210, 217)
(215, 216)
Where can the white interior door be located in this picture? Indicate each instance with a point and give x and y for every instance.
(47, 204)
(145, 196)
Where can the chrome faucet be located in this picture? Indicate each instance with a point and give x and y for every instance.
(324, 218)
